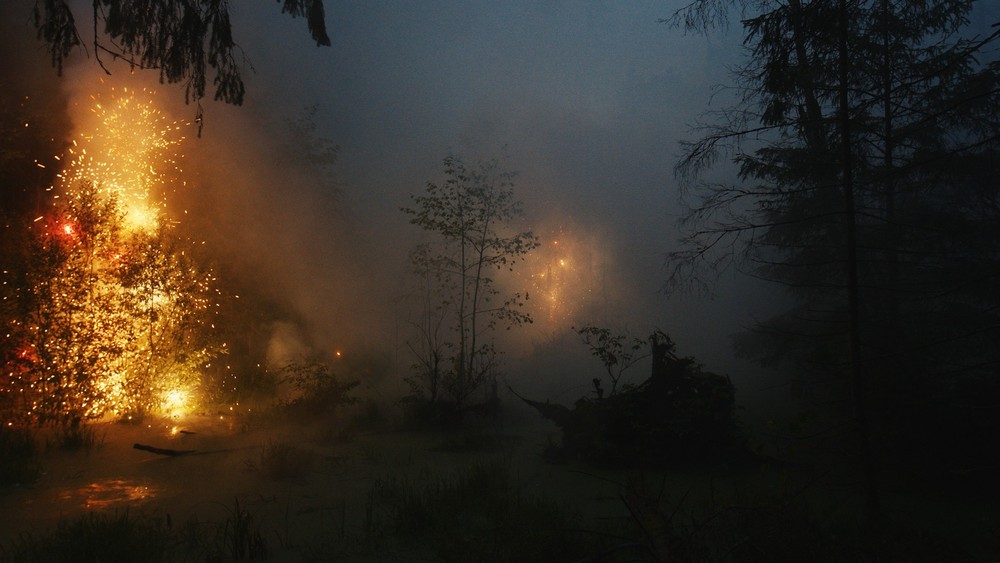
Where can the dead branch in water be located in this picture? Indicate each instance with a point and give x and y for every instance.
(162, 451)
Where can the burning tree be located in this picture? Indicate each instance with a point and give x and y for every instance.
(108, 313)
(468, 215)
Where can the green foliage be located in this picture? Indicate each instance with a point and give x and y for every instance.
(469, 217)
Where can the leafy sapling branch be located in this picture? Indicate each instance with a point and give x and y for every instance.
(617, 353)
(471, 219)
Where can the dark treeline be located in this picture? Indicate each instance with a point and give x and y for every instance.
(865, 135)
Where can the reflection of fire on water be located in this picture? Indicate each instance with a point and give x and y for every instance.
(108, 493)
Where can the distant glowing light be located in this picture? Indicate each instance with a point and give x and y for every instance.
(563, 274)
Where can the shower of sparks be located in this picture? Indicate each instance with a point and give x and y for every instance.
(120, 307)
(565, 278)
(130, 155)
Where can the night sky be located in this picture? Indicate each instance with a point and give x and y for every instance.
(588, 100)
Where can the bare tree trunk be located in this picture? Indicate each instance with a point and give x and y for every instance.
(853, 301)
(812, 123)
(477, 284)
(460, 374)
(890, 298)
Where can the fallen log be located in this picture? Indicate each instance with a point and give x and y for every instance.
(162, 451)
(557, 413)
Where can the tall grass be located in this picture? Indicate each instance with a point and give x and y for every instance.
(477, 515)
(105, 538)
(127, 537)
(240, 537)
(76, 436)
(281, 460)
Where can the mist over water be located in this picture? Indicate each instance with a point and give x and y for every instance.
(585, 103)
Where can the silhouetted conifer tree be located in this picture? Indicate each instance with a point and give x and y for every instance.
(865, 138)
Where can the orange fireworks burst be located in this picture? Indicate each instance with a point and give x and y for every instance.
(129, 155)
(564, 277)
